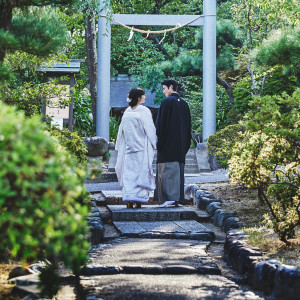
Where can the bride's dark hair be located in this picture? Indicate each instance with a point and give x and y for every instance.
(134, 95)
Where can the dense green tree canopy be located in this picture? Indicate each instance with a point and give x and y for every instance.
(281, 48)
(25, 26)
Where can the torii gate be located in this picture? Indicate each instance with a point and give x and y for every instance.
(209, 60)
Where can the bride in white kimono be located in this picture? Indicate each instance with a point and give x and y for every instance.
(136, 142)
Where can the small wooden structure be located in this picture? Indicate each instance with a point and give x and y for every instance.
(63, 69)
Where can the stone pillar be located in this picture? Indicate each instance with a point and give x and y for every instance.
(103, 74)
(209, 68)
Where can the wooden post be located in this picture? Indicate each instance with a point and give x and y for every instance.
(72, 83)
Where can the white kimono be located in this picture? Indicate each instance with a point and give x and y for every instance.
(136, 142)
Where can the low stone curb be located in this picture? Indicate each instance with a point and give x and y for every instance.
(96, 225)
(205, 236)
(92, 270)
(270, 276)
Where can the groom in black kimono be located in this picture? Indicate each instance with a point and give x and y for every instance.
(173, 129)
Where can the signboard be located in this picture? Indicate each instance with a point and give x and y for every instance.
(54, 110)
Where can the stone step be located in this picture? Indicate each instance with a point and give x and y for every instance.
(111, 197)
(187, 170)
(188, 160)
(182, 229)
(156, 213)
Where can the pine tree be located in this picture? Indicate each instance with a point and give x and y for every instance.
(281, 48)
(25, 27)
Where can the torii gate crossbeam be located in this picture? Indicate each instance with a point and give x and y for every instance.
(209, 61)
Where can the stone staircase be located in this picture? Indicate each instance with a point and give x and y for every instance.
(191, 164)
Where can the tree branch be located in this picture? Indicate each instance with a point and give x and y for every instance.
(156, 41)
(228, 87)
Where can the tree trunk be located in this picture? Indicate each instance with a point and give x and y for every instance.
(228, 87)
(6, 8)
(91, 53)
(160, 47)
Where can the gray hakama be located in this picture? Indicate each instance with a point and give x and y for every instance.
(170, 181)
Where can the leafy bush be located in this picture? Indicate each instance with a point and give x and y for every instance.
(267, 159)
(71, 141)
(220, 144)
(43, 210)
(275, 83)
(82, 113)
(30, 96)
(114, 124)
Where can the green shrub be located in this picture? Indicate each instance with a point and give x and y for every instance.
(114, 124)
(220, 144)
(275, 84)
(267, 159)
(71, 141)
(43, 210)
(82, 113)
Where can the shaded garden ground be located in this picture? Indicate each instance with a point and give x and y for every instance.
(250, 210)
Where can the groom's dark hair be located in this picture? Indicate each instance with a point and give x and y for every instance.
(170, 81)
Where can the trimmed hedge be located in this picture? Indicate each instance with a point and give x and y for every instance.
(43, 203)
(220, 144)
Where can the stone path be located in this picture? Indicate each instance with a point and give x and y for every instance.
(215, 176)
(156, 253)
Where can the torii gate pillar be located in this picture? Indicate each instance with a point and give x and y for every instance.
(209, 62)
(209, 68)
(103, 75)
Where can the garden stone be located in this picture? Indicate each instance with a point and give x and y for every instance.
(189, 191)
(212, 207)
(287, 283)
(239, 279)
(263, 275)
(97, 230)
(247, 258)
(197, 137)
(231, 223)
(209, 270)
(204, 202)
(18, 271)
(221, 216)
(111, 146)
(96, 146)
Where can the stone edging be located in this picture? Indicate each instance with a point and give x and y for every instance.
(96, 270)
(270, 276)
(202, 236)
(96, 225)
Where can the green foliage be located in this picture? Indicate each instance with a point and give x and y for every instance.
(220, 144)
(49, 281)
(30, 96)
(267, 159)
(229, 40)
(281, 48)
(132, 56)
(275, 83)
(190, 91)
(71, 141)
(37, 32)
(32, 29)
(43, 209)
(114, 124)
(257, 18)
(83, 112)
